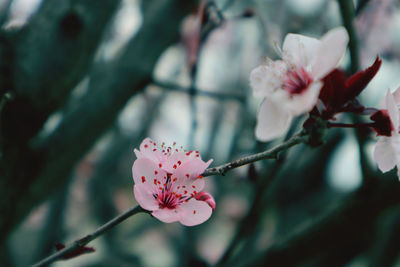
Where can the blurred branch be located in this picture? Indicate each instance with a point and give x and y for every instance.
(272, 153)
(348, 15)
(387, 243)
(55, 49)
(211, 94)
(76, 245)
(361, 5)
(43, 62)
(4, 11)
(347, 12)
(53, 226)
(351, 219)
(249, 222)
(111, 86)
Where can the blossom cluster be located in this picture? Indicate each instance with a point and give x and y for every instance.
(307, 80)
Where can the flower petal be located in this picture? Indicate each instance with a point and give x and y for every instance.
(265, 79)
(272, 121)
(333, 47)
(392, 109)
(145, 197)
(387, 152)
(166, 215)
(304, 102)
(178, 158)
(299, 49)
(194, 212)
(148, 149)
(146, 173)
(194, 168)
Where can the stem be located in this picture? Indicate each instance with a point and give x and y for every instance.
(298, 138)
(85, 240)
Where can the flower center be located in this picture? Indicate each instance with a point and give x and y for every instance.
(167, 199)
(297, 81)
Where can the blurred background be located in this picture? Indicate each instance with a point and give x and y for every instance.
(83, 82)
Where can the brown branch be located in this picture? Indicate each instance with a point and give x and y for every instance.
(272, 153)
(90, 237)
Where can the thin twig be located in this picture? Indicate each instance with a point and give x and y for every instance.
(298, 138)
(85, 240)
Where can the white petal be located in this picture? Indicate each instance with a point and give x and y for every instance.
(332, 49)
(392, 109)
(272, 121)
(299, 49)
(387, 152)
(265, 79)
(194, 212)
(166, 215)
(145, 197)
(304, 102)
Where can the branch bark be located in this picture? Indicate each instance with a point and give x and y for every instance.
(272, 153)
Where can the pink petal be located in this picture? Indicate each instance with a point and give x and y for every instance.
(177, 159)
(194, 212)
(194, 168)
(145, 197)
(272, 121)
(387, 152)
(332, 49)
(149, 150)
(188, 187)
(145, 171)
(304, 102)
(392, 109)
(166, 215)
(299, 49)
(187, 177)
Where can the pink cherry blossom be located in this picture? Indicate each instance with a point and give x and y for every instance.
(168, 183)
(291, 86)
(387, 149)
